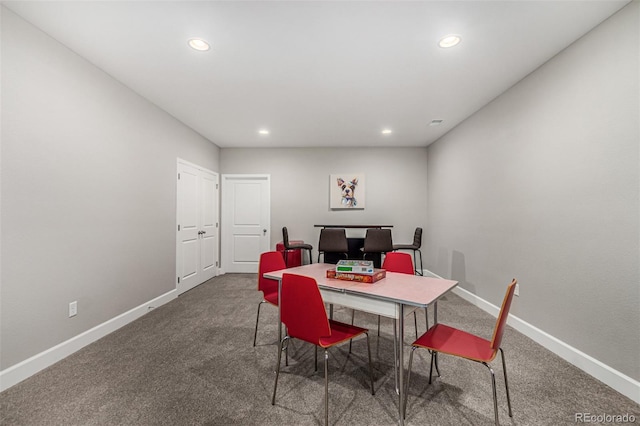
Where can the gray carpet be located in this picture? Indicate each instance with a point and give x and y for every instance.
(191, 362)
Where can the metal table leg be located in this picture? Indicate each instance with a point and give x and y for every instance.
(400, 343)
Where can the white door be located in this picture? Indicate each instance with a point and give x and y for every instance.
(197, 227)
(246, 204)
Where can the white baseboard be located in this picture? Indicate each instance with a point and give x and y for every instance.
(27, 368)
(626, 385)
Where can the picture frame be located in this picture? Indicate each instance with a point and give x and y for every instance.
(347, 191)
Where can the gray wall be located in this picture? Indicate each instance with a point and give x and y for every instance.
(543, 185)
(395, 187)
(88, 193)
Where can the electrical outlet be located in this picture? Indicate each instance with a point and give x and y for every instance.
(516, 292)
(73, 309)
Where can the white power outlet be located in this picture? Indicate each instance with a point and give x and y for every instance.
(516, 292)
(73, 309)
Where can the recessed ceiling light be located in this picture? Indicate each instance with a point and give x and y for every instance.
(263, 132)
(435, 122)
(386, 131)
(449, 41)
(199, 44)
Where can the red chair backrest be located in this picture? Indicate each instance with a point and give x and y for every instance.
(398, 262)
(302, 309)
(501, 322)
(269, 261)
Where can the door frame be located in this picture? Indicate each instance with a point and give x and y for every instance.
(226, 228)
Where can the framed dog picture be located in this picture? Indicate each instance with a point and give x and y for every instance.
(346, 191)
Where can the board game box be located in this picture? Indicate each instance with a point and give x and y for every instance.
(355, 266)
(377, 275)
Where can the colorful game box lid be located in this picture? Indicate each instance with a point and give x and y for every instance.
(355, 266)
(377, 275)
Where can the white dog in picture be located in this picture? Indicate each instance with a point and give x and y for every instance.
(348, 189)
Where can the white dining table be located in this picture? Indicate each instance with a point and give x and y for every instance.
(388, 297)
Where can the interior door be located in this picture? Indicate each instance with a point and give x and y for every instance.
(208, 224)
(197, 227)
(246, 219)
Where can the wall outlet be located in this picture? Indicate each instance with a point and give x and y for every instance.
(73, 309)
(516, 292)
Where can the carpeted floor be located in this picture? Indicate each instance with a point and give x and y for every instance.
(191, 362)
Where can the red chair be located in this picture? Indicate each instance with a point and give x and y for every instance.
(303, 313)
(415, 247)
(451, 341)
(401, 263)
(269, 261)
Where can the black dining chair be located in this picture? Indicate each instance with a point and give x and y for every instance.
(415, 247)
(333, 241)
(377, 241)
(288, 246)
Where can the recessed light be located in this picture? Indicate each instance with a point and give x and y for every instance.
(386, 131)
(199, 44)
(435, 122)
(449, 41)
(263, 132)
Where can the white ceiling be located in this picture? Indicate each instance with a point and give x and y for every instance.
(318, 73)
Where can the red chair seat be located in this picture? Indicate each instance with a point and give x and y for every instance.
(452, 341)
(272, 297)
(340, 332)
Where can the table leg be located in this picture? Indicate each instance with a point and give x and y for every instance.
(401, 363)
(435, 321)
(279, 312)
(286, 351)
(396, 364)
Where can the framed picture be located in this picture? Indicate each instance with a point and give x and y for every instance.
(347, 191)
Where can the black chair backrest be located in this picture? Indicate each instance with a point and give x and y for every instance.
(285, 237)
(378, 241)
(417, 238)
(333, 240)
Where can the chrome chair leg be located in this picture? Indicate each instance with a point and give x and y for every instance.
(418, 271)
(326, 387)
(378, 325)
(431, 367)
(373, 392)
(495, 394)
(255, 334)
(286, 350)
(506, 384)
(406, 392)
(275, 386)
